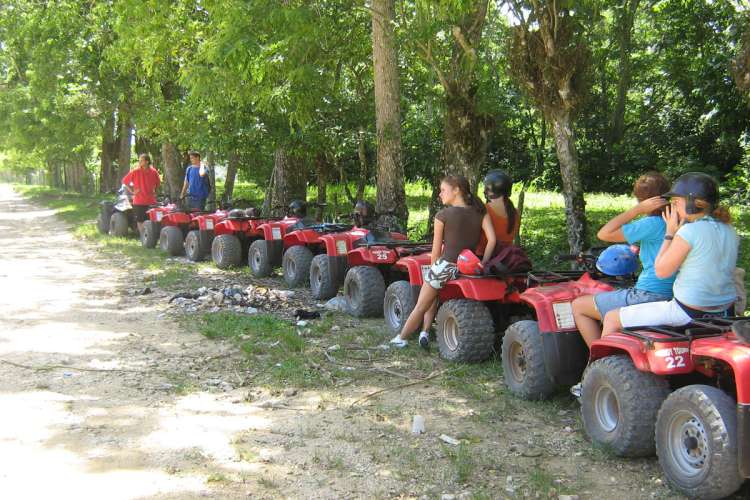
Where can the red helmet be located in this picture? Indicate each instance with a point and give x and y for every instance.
(469, 263)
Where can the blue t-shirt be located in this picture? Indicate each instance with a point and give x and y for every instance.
(648, 233)
(197, 185)
(706, 277)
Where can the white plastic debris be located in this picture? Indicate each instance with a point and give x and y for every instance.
(417, 425)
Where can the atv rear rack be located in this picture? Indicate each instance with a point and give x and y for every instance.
(696, 329)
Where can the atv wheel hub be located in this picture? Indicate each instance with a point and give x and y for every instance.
(451, 332)
(517, 362)
(688, 443)
(606, 408)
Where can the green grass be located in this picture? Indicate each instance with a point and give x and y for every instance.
(277, 354)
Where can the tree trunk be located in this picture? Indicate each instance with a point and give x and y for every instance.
(232, 163)
(321, 179)
(289, 181)
(465, 136)
(575, 206)
(364, 168)
(107, 176)
(124, 136)
(624, 28)
(211, 164)
(391, 197)
(173, 173)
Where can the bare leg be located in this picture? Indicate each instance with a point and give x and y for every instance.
(427, 296)
(587, 318)
(612, 322)
(140, 227)
(429, 316)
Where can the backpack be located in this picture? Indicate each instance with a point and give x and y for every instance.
(509, 259)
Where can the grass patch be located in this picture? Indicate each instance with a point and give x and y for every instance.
(278, 355)
(462, 461)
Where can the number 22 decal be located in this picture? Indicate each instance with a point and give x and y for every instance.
(675, 362)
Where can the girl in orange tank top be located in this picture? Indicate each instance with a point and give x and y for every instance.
(497, 188)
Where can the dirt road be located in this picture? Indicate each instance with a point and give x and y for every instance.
(103, 396)
(73, 433)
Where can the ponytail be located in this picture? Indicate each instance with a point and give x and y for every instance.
(722, 215)
(510, 213)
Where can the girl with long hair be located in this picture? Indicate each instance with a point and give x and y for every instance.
(457, 227)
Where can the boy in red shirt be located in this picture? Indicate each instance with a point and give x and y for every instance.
(145, 180)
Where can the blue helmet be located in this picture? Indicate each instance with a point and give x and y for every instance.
(617, 260)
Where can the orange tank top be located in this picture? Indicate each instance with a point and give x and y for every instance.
(500, 224)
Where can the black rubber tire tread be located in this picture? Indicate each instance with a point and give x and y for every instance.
(301, 257)
(398, 292)
(102, 223)
(364, 290)
(476, 331)
(263, 267)
(536, 384)
(119, 225)
(150, 234)
(718, 413)
(326, 287)
(639, 396)
(171, 241)
(226, 251)
(193, 248)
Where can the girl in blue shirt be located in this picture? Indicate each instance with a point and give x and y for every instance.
(648, 233)
(701, 247)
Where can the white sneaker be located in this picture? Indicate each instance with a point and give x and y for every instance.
(398, 342)
(576, 390)
(424, 340)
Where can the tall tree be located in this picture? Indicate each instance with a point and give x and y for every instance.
(550, 61)
(625, 14)
(455, 59)
(391, 197)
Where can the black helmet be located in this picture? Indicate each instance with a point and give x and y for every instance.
(496, 184)
(236, 213)
(695, 186)
(252, 212)
(298, 208)
(364, 213)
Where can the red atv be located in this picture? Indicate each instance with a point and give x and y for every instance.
(373, 264)
(681, 392)
(302, 242)
(236, 233)
(198, 241)
(152, 226)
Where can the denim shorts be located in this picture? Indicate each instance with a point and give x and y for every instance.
(608, 301)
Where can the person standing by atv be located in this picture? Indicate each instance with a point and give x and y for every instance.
(498, 186)
(700, 246)
(457, 227)
(197, 185)
(648, 233)
(145, 181)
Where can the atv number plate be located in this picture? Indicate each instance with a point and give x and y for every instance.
(425, 270)
(381, 254)
(276, 233)
(564, 315)
(159, 216)
(340, 247)
(209, 224)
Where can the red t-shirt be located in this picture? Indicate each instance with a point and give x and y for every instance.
(145, 182)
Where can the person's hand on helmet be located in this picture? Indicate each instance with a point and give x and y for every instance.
(649, 205)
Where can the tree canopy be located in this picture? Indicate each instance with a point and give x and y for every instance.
(639, 85)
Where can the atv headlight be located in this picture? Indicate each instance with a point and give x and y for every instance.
(564, 315)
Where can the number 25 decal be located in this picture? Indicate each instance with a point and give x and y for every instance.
(675, 362)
